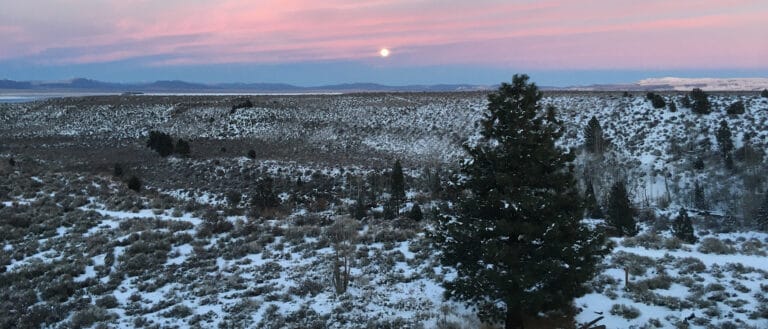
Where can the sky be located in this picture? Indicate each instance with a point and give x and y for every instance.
(310, 42)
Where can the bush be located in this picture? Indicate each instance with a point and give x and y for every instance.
(625, 311)
(108, 301)
(715, 246)
(252, 154)
(134, 183)
(182, 148)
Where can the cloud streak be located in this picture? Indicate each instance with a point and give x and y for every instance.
(543, 34)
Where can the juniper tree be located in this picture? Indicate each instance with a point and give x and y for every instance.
(182, 147)
(593, 137)
(397, 184)
(517, 242)
(682, 227)
(620, 214)
(735, 108)
(761, 215)
(672, 106)
(700, 103)
(725, 143)
(764, 93)
(161, 142)
(699, 200)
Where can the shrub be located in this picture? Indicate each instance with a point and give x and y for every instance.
(715, 246)
(118, 170)
(108, 301)
(625, 311)
(134, 183)
(252, 154)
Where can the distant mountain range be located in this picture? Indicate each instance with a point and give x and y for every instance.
(176, 86)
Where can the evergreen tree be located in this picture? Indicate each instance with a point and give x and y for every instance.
(620, 214)
(682, 227)
(161, 143)
(415, 213)
(761, 215)
(725, 143)
(397, 181)
(117, 171)
(591, 204)
(360, 209)
(517, 241)
(764, 93)
(593, 137)
(134, 183)
(736, 108)
(182, 147)
(701, 103)
(263, 195)
(686, 102)
(699, 201)
(672, 106)
(252, 154)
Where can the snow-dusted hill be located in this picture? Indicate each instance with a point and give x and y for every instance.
(191, 249)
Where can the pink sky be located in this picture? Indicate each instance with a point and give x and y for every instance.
(596, 34)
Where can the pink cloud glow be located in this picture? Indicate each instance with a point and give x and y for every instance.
(546, 34)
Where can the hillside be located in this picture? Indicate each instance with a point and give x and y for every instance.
(222, 238)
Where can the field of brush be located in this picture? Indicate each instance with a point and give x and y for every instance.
(198, 247)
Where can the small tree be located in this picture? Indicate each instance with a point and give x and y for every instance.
(415, 213)
(761, 215)
(182, 147)
(701, 103)
(699, 200)
(656, 100)
(134, 183)
(118, 170)
(736, 108)
(725, 143)
(593, 137)
(397, 187)
(161, 143)
(682, 227)
(252, 154)
(686, 102)
(764, 93)
(672, 106)
(620, 213)
(263, 195)
(234, 198)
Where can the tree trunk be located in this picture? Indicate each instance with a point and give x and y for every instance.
(514, 319)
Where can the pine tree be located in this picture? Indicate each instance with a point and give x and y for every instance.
(699, 201)
(682, 227)
(764, 93)
(672, 106)
(761, 215)
(415, 213)
(591, 204)
(517, 241)
(725, 143)
(593, 137)
(620, 214)
(686, 102)
(397, 181)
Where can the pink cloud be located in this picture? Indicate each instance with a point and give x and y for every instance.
(569, 34)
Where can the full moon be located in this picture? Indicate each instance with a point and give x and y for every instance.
(384, 52)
